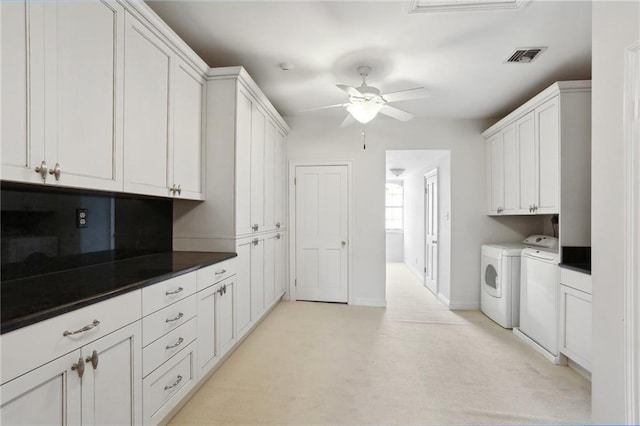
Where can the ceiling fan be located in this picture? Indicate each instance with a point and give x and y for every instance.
(366, 101)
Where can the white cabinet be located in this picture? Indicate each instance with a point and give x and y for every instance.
(70, 126)
(243, 289)
(540, 152)
(163, 118)
(100, 383)
(575, 316)
(225, 308)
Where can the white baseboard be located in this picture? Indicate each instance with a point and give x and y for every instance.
(365, 301)
(556, 359)
(443, 300)
(464, 306)
(419, 275)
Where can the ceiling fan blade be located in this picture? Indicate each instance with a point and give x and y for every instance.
(396, 113)
(322, 107)
(352, 91)
(348, 121)
(405, 95)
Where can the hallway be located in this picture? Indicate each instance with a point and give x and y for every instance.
(413, 362)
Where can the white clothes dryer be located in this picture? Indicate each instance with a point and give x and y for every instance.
(500, 283)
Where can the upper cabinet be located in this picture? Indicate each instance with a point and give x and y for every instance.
(539, 155)
(100, 95)
(68, 81)
(163, 118)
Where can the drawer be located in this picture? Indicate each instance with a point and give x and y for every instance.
(160, 323)
(166, 386)
(574, 279)
(29, 347)
(164, 293)
(215, 273)
(167, 346)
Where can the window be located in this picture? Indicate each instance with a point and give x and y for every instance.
(394, 205)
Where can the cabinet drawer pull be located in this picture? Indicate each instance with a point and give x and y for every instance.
(255, 227)
(95, 323)
(255, 242)
(278, 236)
(56, 171)
(176, 344)
(278, 225)
(224, 271)
(176, 291)
(93, 359)
(42, 170)
(179, 190)
(176, 383)
(176, 318)
(78, 367)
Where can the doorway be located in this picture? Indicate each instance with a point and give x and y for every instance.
(321, 218)
(421, 238)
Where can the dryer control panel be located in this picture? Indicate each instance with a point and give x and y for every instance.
(544, 241)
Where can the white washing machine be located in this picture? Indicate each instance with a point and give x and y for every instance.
(500, 278)
(539, 300)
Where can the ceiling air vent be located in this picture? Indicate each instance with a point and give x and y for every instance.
(525, 55)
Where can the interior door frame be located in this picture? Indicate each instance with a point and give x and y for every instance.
(293, 165)
(631, 116)
(435, 172)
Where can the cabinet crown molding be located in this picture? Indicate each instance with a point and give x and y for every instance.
(551, 91)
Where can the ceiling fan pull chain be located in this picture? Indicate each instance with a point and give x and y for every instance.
(364, 138)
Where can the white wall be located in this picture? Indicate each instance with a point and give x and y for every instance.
(616, 25)
(414, 222)
(321, 138)
(394, 246)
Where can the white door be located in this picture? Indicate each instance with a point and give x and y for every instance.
(548, 126)
(431, 231)
(225, 305)
(497, 173)
(321, 233)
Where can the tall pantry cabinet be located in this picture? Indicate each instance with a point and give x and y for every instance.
(244, 211)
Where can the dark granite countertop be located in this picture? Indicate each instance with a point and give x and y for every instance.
(29, 300)
(576, 259)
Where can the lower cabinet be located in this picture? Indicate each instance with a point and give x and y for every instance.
(575, 317)
(100, 383)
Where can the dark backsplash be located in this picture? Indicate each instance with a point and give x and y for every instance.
(41, 233)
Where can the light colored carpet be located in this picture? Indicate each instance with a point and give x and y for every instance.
(414, 362)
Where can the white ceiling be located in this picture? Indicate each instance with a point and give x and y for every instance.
(458, 56)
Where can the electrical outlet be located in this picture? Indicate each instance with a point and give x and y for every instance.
(82, 218)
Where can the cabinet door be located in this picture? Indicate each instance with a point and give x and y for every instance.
(269, 176)
(243, 163)
(497, 174)
(269, 270)
(112, 383)
(258, 122)
(280, 181)
(187, 132)
(511, 172)
(206, 329)
(225, 308)
(280, 264)
(83, 76)
(575, 325)
(22, 143)
(146, 110)
(48, 395)
(548, 124)
(257, 278)
(527, 162)
(243, 289)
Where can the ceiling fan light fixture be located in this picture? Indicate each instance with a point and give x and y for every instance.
(396, 172)
(364, 111)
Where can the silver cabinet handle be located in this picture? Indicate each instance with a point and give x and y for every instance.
(78, 367)
(223, 271)
(95, 323)
(176, 318)
(535, 208)
(176, 344)
(434, 241)
(176, 291)
(278, 225)
(278, 236)
(56, 171)
(499, 210)
(176, 383)
(42, 170)
(222, 290)
(173, 188)
(93, 359)
(255, 242)
(179, 190)
(343, 243)
(255, 227)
